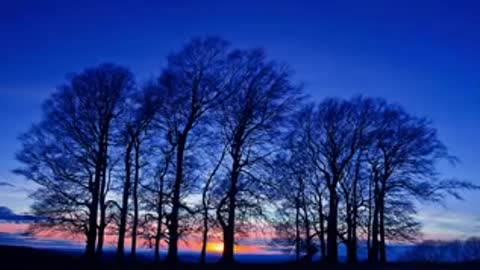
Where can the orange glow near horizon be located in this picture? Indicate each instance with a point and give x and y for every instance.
(192, 244)
(216, 247)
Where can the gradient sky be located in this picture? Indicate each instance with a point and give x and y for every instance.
(425, 56)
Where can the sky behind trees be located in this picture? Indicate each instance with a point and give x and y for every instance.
(423, 56)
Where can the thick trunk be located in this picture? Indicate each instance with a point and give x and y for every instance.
(332, 251)
(322, 229)
(352, 227)
(135, 199)
(124, 210)
(349, 244)
(95, 191)
(172, 256)
(354, 254)
(101, 227)
(229, 232)
(373, 253)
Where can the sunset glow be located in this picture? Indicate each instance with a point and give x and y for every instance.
(216, 247)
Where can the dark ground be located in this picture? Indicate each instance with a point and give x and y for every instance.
(29, 258)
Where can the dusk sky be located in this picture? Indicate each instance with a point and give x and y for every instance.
(424, 56)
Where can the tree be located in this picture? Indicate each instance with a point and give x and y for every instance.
(402, 160)
(136, 129)
(295, 217)
(67, 152)
(333, 142)
(251, 121)
(191, 86)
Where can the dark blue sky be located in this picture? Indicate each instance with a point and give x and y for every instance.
(425, 56)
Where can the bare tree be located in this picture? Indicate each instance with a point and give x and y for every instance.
(333, 141)
(251, 122)
(137, 128)
(76, 127)
(192, 84)
(402, 157)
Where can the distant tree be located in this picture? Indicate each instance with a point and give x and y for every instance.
(471, 249)
(67, 152)
(445, 251)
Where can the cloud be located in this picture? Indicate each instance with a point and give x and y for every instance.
(25, 239)
(6, 184)
(6, 214)
(445, 225)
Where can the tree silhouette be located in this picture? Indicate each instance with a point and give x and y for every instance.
(67, 152)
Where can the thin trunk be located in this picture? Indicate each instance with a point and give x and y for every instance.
(124, 210)
(102, 206)
(369, 221)
(353, 214)
(172, 256)
(158, 234)
(308, 239)
(205, 205)
(354, 240)
(203, 252)
(135, 199)
(382, 247)
(297, 229)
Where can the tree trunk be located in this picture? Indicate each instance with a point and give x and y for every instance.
(349, 243)
(101, 227)
(382, 247)
(204, 237)
(354, 240)
(159, 222)
(308, 239)
(124, 210)
(322, 228)
(93, 215)
(229, 232)
(369, 221)
(332, 251)
(172, 256)
(373, 253)
(102, 206)
(135, 199)
(297, 229)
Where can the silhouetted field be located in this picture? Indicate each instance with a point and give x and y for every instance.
(29, 258)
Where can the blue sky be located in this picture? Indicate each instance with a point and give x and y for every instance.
(424, 55)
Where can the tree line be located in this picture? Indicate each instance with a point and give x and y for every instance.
(221, 143)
